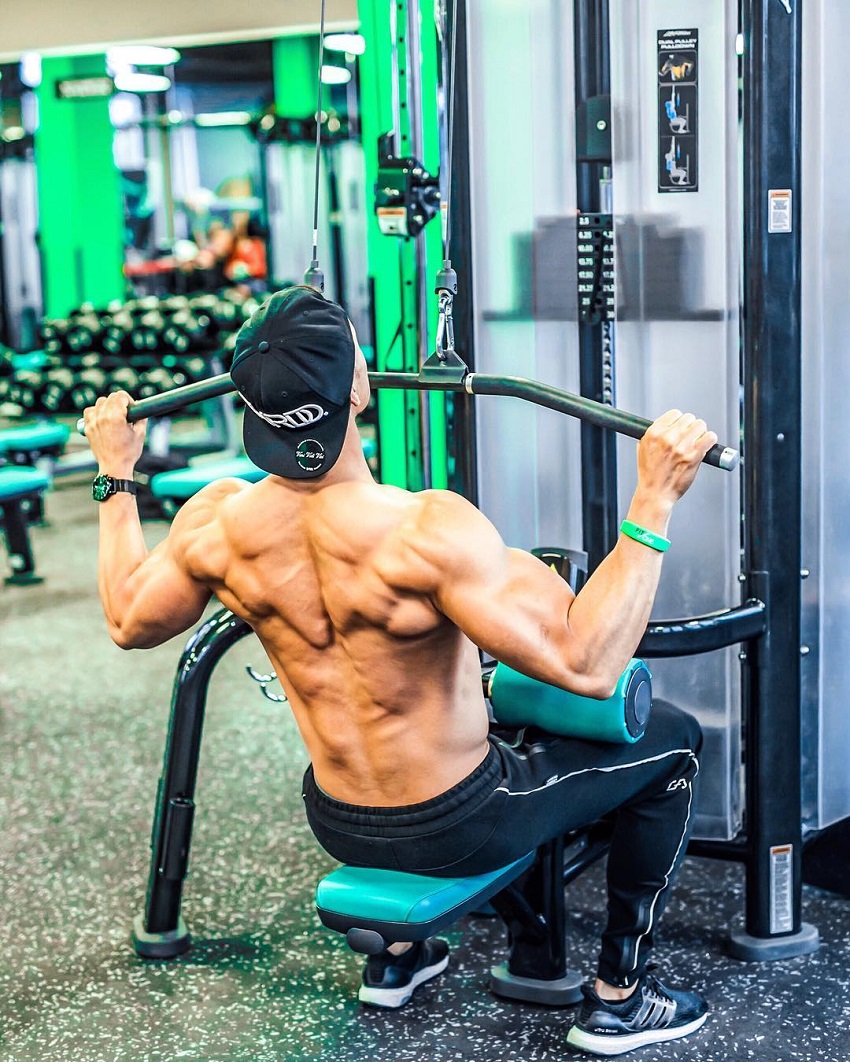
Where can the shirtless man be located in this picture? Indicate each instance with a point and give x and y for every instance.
(371, 603)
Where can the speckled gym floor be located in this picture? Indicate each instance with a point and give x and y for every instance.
(82, 729)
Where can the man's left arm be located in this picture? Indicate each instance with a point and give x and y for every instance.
(147, 597)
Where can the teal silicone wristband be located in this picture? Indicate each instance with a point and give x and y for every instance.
(646, 538)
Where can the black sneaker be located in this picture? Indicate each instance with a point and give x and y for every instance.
(389, 980)
(651, 1015)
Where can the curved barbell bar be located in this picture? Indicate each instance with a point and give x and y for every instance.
(472, 383)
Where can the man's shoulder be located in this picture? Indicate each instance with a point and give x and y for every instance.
(437, 529)
(202, 511)
(443, 513)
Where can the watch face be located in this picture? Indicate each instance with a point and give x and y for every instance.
(100, 488)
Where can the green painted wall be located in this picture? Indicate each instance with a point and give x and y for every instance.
(81, 223)
(295, 64)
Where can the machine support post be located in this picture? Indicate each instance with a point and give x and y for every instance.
(596, 351)
(772, 479)
(160, 932)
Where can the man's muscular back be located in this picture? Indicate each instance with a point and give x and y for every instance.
(385, 688)
(370, 601)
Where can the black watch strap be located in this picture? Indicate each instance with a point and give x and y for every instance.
(104, 487)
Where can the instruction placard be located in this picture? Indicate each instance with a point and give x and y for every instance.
(678, 80)
(782, 888)
(779, 212)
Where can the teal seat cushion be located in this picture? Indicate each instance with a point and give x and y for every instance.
(365, 895)
(16, 481)
(183, 483)
(30, 438)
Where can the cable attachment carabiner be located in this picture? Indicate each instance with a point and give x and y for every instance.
(445, 368)
(446, 289)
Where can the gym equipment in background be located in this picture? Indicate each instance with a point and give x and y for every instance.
(21, 489)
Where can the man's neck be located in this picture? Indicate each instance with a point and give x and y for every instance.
(350, 466)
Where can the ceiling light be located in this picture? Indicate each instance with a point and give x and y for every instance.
(14, 132)
(335, 75)
(739, 44)
(31, 69)
(124, 110)
(133, 81)
(223, 118)
(141, 55)
(353, 43)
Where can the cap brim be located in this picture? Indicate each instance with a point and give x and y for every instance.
(305, 454)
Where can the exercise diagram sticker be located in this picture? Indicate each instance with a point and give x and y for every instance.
(678, 76)
(310, 455)
(779, 213)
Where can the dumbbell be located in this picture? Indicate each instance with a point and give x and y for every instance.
(157, 380)
(123, 379)
(7, 362)
(55, 394)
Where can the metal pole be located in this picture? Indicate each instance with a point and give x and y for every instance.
(772, 479)
(413, 74)
(463, 463)
(596, 341)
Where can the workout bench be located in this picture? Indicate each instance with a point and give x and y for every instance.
(374, 908)
(172, 489)
(30, 444)
(21, 488)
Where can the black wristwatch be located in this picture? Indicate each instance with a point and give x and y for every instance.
(104, 487)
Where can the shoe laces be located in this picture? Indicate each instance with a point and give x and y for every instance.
(653, 983)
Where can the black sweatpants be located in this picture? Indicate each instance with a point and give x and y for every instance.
(521, 796)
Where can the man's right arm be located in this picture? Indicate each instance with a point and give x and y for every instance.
(521, 612)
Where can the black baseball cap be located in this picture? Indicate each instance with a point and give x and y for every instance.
(293, 364)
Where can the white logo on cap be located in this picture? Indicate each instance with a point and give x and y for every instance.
(302, 417)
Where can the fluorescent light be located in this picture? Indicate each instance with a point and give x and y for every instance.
(133, 81)
(223, 118)
(31, 69)
(335, 75)
(739, 44)
(141, 55)
(353, 43)
(124, 110)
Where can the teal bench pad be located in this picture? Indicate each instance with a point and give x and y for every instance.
(403, 906)
(184, 483)
(32, 438)
(17, 481)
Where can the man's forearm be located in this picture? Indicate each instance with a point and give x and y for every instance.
(121, 552)
(609, 616)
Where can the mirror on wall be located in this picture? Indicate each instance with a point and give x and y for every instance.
(212, 166)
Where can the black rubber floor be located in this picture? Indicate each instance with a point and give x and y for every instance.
(82, 727)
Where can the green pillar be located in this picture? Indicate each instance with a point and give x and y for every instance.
(392, 259)
(295, 65)
(81, 217)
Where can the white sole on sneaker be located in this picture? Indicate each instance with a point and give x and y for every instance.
(620, 1043)
(397, 997)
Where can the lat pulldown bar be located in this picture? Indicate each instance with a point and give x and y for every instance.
(438, 377)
